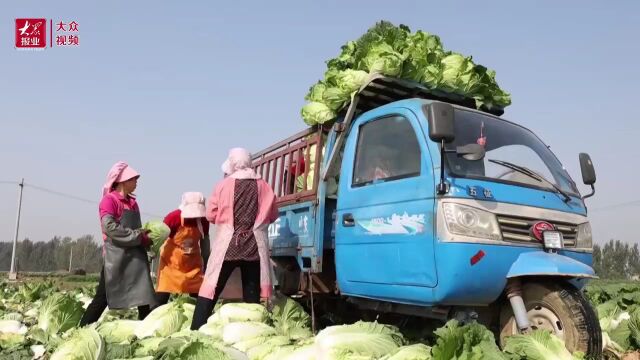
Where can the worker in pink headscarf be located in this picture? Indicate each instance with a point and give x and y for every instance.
(242, 206)
(125, 280)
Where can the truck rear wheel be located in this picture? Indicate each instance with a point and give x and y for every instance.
(560, 309)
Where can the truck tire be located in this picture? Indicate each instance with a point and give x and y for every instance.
(561, 309)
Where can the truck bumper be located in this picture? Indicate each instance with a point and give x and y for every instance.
(539, 263)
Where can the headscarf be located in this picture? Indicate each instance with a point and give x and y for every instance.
(238, 165)
(119, 172)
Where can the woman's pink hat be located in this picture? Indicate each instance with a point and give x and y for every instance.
(120, 172)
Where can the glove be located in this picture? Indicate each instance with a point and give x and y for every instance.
(145, 241)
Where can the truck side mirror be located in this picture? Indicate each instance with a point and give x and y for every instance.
(440, 117)
(588, 170)
(588, 173)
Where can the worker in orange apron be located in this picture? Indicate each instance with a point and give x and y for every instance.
(184, 255)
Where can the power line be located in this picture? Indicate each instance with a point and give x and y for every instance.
(60, 194)
(616, 206)
(74, 197)
(93, 202)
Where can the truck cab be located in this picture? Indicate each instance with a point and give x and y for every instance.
(414, 203)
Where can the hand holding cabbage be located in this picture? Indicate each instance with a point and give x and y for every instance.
(158, 232)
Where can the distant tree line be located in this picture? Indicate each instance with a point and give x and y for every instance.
(614, 260)
(53, 255)
(617, 260)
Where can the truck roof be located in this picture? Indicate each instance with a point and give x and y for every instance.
(380, 90)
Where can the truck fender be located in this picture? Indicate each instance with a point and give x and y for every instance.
(540, 263)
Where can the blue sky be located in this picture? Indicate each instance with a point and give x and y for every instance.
(170, 86)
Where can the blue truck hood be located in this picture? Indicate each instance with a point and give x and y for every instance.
(514, 194)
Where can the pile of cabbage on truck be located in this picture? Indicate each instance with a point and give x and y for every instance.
(395, 51)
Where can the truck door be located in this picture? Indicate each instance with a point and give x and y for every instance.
(385, 233)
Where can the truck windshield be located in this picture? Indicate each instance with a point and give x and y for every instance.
(505, 142)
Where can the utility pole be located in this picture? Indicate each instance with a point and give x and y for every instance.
(13, 275)
(71, 257)
(84, 257)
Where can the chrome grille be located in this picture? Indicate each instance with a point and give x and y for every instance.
(518, 229)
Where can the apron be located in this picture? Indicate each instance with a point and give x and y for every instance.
(180, 266)
(224, 234)
(126, 270)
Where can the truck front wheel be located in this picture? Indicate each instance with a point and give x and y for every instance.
(561, 309)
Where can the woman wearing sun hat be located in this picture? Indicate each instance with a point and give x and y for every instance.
(185, 253)
(125, 281)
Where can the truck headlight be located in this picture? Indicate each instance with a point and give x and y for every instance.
(468, 221)
(584, 239)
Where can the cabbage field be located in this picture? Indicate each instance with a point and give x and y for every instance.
(39, 320)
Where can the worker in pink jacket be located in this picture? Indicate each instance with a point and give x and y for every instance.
(124, 280)
(242, 206)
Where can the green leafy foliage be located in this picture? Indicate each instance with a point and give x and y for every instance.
(59, 313)
(539, 345)
(360, 339)
(158, 233)
(395, 51)
(83, 344)
(118, 331)
(290, 319)
(249, 331)
(471, 341)
(162, 321)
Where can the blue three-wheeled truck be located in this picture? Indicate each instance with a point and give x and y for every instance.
(414, 205)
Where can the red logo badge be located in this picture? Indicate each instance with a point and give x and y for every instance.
(538, 228)
(31, 33)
